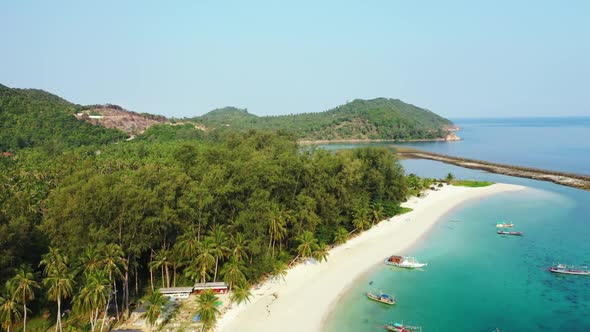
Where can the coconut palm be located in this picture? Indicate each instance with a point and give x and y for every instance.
(93, 297)
(361, 220)
(307, 244)
(240, 246)
(277, 226)
(158, 263)
(341, 235)
(155, 302)
(114, 264)
(205, 259)
(24, 289)
(321, 252)
(232, 272)
(279, 270)
(207, 309)
(91, 260)
(10, 309)
(218, 238)
(377, 213)
(59, 280)
(450, 177)
(241, 294)
(188, 244)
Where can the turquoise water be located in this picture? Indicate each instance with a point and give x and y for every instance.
(477, 280)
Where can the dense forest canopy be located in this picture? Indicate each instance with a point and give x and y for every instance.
(85, 210)
(389, 119)
(31, 118)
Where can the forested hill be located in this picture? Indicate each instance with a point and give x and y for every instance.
(360, 119)
(30, 118)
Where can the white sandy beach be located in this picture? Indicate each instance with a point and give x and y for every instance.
(310, 290)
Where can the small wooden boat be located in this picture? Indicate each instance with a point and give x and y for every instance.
(400, 327)
(564, 269)
(509, 233)
(404, 261)
(504, 225)
(382, 297)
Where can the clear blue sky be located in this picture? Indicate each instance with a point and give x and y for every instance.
(184, 58)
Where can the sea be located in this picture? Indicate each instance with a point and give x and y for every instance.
(477, 280)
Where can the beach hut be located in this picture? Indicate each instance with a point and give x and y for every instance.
(217, 287)
(177, 292)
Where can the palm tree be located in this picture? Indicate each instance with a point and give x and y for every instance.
(94, 297)
(241, 294)
(114, 264)
(219, 245)
(58, 279)
(91, 260)
(232, 272)
(207, 309)
(321, 252)
(155, 302)
(240, 245)
(277, 226)
(10, 310)
(279, 270)
(188, 245)
(307, 244)
(377, 213)
(158, 263)
(361, 220)
(341, 235)
(450, 177)
(205, 259)
(24, 284)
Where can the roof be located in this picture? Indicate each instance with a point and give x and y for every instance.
(209, 285)
(173, 290)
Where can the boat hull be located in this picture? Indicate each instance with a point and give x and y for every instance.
(577, 273)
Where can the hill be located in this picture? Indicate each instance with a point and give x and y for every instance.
(113, 116)
(30, 118)
(376, 119)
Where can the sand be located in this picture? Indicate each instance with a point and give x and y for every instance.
(303, 300)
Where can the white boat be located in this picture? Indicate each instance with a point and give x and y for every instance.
(504, 225)
(404, 261)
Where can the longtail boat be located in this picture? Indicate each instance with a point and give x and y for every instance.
(404, 261)
(400, 327)
(509, 233)
(382, 297)
(564, 269)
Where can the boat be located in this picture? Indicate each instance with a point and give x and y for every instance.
(382, 297)
(565, 269)
(400, 327)
(509, 233)
(504, 225)
(404, 261)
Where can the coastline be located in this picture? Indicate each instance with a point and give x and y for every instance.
(310, 290)
(340, 141)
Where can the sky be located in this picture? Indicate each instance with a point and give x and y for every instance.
(185, 58)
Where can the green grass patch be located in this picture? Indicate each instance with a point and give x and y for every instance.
(470, 183)
(403, 210)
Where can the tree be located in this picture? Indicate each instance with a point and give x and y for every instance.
(24, 288)
(114, 264)
(207, 309)
(240, 246)
(59, 280)
(205, 259)
(277, 226)
(91, 260)
(307, 244)
(321, 252)
(341, 236)
(450, 177)
(218, 239)
(241, 294)
(9, 308)
(93, 297)
(232, 272)
(155, 302)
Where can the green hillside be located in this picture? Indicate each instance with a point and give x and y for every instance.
(360, 119)
(30, 118)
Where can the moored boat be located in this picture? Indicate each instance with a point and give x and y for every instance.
(400, 327)
(504, 225)
(404, 261)
(382, 297)
(509, 233)
(565, 269)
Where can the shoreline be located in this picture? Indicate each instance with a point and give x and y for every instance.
(307, 296)
(340, 141)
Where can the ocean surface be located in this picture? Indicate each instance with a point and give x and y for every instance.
(478, 280)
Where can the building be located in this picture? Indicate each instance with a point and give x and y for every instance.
(217, 287)
(177, 292)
